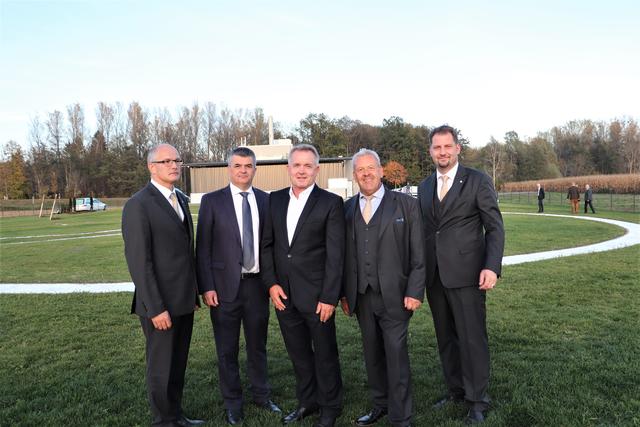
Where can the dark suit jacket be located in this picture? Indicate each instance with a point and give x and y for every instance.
(573, 193)
(588, 195)
(541, 194)
(159, 252)
(219, 248)
(310, 270)
(400, 262)
(470, 235)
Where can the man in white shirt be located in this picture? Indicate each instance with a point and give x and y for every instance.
(158, 245)
(228, 259)
(301, 264)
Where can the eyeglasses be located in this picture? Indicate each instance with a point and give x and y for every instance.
(168, 162)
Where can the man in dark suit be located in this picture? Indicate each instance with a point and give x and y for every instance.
(158, 245)
(302, 259)
(384, 281)
(229, 228)
(464, 243)
(540, 198)
(588, 197)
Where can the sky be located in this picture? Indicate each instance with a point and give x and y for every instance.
(484, 67)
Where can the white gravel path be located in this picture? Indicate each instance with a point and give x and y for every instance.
(630, 238)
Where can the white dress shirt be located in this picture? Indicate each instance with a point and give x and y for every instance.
(375, 201)
(255, 219)
(166, 193)
(296, 206)
(451, 175)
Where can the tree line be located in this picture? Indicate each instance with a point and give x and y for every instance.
(66, 157)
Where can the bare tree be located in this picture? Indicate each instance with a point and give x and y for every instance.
(631, 139)
(55, 132)
(138, 129)
(258, 128)
(39, 156)
(74, 150)
(495, 158)
(105, 118)
(210, 119)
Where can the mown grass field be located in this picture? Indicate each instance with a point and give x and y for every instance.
(564, 337)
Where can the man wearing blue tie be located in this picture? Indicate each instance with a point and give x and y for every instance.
(227, 252)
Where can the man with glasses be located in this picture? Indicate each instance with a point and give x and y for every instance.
(158, 246)
(230, 223)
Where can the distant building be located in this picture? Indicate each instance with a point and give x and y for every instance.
(335, 175)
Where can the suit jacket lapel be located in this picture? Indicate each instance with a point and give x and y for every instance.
(351, 214)
(184, 204)
(163, 204)
(454, 191)
(429, 194)
(230, 212)
(388, 208)
(260, 201)
(308, 207)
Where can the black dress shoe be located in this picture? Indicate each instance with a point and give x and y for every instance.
(188, 422)
(445, 400)
(234, 416)
(269, 405)
(371, 418)
(299, 414)
(325, 422)
(474, 416)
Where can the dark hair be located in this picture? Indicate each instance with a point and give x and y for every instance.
(443, 130)
(242, 152)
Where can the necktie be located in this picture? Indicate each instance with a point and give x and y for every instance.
(445, 187)
(248, 258)
(174, 203)
(366, 212)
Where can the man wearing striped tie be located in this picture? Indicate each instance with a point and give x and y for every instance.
(158, 245)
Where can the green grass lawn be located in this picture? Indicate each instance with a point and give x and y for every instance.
(564, 337)
(96, 260)
(564, 345)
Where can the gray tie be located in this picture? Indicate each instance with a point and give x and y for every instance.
(248, 257)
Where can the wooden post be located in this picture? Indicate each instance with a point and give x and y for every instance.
(53, 207)
(41, 207)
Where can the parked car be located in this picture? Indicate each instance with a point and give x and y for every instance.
(84, 204)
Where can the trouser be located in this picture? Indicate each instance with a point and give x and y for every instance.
(574, 205)
(166, 356)
(251, 309)
(459, 317)
(588, 202)
(386, 356)
(540, 206)
(313, 350)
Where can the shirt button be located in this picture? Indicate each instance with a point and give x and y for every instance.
(288, 255)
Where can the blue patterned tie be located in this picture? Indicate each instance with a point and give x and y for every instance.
(248, 258)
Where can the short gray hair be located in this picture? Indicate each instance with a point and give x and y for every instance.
(151, 155)
(366, 152)
(304, 147)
